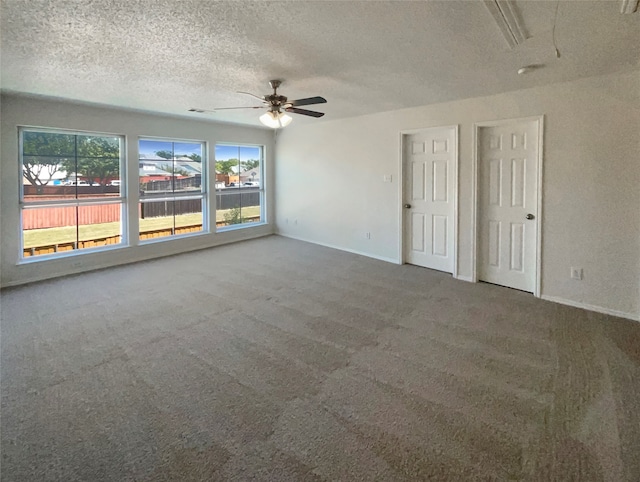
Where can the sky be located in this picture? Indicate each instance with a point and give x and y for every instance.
(222, 152)
(244, 153)
(150, 147)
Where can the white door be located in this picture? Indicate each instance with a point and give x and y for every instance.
(430, 158)
(507, 203)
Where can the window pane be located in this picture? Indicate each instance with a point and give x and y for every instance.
(156, 219)
(67, 166)
(50, 230)
(227, 208)
(98, 161)
(45, 156)
(188, 215)
(251, 209)
(228, 165)
(160, 219)
(187, 167)
(167, 167)
(250, 166)
(99, 225)
(155, 167)
(238, 207)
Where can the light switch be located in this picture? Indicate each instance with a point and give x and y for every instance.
(387, 178)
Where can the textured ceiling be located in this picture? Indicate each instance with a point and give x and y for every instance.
(362, 56)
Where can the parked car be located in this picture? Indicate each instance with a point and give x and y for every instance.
(251, 184)
(115, 182)
(234, 184)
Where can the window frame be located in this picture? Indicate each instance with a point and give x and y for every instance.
(203, 195)
(261, 188)
(121, 199)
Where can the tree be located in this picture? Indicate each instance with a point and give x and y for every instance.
(195, 157)
(250, 164)
(43, 155)
(97, 158)
(227, 167)
(165, 154)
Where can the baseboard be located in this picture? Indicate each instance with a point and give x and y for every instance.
(340, 248)
(597, 309)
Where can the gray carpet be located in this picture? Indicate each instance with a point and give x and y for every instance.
(279, 360)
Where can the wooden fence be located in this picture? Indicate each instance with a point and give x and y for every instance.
(177, 184)
(93, 243)
(55, 217)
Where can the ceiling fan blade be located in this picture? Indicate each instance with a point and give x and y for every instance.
(252, 95)
(213, 111)
(310, 113)
(308, 101)
(227, 108)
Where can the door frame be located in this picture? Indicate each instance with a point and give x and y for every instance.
(401, 191)
(475, 190)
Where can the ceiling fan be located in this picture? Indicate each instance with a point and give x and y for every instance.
(278, 106)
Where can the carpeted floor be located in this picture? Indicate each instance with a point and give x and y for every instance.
(279, 360)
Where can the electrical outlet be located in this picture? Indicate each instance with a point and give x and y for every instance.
(295, 221)
(576, 273)
(367, 235)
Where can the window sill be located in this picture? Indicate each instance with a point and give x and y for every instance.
(239, 227)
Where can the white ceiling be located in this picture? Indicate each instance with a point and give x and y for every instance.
(362, 56)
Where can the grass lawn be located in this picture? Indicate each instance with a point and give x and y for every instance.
(67, 234)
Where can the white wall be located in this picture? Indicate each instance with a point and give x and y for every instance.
(329, 177)
(23, 111)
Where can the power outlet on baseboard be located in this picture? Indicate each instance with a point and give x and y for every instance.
(576, 273)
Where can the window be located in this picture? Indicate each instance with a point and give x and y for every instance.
(240, 186)
(70, 196)
(172, 188)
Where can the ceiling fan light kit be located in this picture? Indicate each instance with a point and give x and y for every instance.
(275, 120)
(278, 106)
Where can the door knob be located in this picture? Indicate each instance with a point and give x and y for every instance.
(407, 206)
(530, 216)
